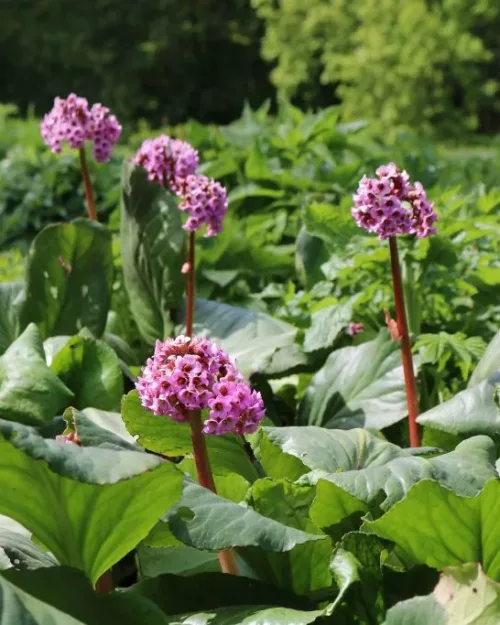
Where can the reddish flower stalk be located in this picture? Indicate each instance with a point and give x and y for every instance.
(406, 356)
(190, 285)
(89, 196)
(105, 583)
(227, 559)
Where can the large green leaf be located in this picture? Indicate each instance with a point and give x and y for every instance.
(99, 428)
(68, 279)
(248, 336)
(354, 469)
(472, 411)
(437, 527)
(91, 369)
(305, 568)
(88, 506)
(360, 386)
(179, 560)
(29, 391)
(162, 435)
(152, 242)
(204, 520)
(463, 596)
(326, 325)
(62, 596)
(489, 363)
(226, 600)
(17, 550)
(9, 317)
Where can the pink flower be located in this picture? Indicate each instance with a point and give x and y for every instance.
(389, 205)
(205, 201)
(186, 374)
(167, 161)
(71, 120)
(355, 328)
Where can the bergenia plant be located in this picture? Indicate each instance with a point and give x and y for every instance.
(389, 205)
(72, 121)
(188, 375)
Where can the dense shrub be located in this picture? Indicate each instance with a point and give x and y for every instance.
(415, 63)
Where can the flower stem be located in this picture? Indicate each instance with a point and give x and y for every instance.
(105, 583)
(409, 374)
(227, 559)
(89, 196)
(190, 286)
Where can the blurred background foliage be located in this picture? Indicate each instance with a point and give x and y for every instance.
(431, 65)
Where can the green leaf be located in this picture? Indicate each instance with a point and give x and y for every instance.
(249, 337)
(472, 411)
(68, 279)
(439, 348)
(360, 386)
(472, 532)
(463, 596)
(99, 428)
(489, 363)
(204, 520)
(179, 560)
(88, 506)
(17, 550)
(62, 596)
(305, 568)
(330, 223)
(356, 567)
(9, 316)
(326, 325)
(92, 371)
(225, 600)
(152, 243)
(170, 438)
(352, 469)
(29, 391)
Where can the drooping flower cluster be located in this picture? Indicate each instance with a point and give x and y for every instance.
(205, 201)
(389, 205)
(167, 161)
(72, 121)
(186, 374)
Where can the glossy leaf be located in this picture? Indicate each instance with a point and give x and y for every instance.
(358, 386)
(29, 391)
(62, 596)
(326, 325)
(68, 279)
(88, 506)
(489, 363)
(472, 531)
(207, 521)
(152, 247)
(92, 371)
(472, 411)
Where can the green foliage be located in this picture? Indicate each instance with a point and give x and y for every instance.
(415, 64)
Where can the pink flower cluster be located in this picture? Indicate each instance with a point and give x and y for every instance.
(355, 328)
(186, 374)
(72, 121)
(389, 205)
(206, 203)
(167, 161)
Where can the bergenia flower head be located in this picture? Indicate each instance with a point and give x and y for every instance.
(205, 201)
(72, 121)
(167, 161)
(389, 205)
(186, 374)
